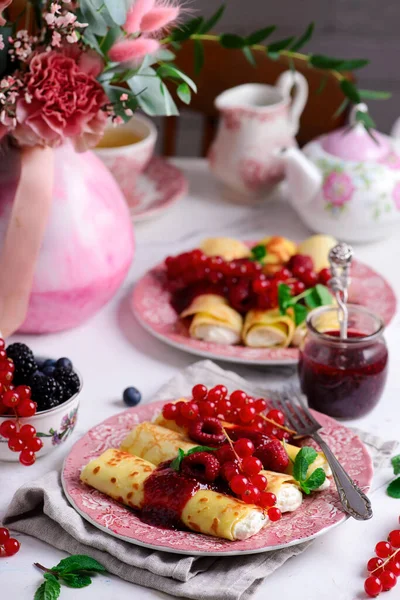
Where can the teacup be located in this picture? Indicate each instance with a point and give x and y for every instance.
(126, 150)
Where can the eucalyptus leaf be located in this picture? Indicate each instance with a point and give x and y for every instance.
(117, 10)
(260, 35)
(151, 98)
(232, 41)
(184, 31)
(109, 40)
(303, 39)
(279, 45)
(213, 20)
(184, 93)
(350, 90)
(249, 56)
(90, 39)
(374, 95)
(320, 61)
(172, 71)
(96, 15)
(198, 56)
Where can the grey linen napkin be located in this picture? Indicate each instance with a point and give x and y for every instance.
(40, 509)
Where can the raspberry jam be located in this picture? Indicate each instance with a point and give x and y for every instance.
(343, 378)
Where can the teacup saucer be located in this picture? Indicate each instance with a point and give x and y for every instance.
(157, 188)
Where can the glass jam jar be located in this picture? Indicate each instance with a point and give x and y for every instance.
(343, 378)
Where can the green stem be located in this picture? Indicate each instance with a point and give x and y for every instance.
(42, 568)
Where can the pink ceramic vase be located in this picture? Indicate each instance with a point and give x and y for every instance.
(88, 242)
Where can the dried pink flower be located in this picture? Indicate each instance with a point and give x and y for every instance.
(159, 17)
(136, 13)
(133, 50)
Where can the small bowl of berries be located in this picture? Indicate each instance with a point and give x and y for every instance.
(39, 400)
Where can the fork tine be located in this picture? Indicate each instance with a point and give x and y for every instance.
(305, 408)
(283, 407)
(289, 400)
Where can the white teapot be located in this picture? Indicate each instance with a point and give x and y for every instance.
(347, 183)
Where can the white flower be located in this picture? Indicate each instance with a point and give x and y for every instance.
(2, 46)
(49, 18)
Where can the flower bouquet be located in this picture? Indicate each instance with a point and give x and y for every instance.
(67, 68)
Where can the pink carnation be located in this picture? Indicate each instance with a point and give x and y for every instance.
(65, 102)
(3, 6)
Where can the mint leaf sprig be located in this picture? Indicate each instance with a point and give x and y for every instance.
(312, 298)
(176, 463)
(258, 252)
(72, 571)
(393, 489)
(304, 459)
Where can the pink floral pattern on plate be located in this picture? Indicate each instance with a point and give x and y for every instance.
(318, 513)
(150, 303)
(156, 189)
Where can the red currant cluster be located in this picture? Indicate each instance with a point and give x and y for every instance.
(8, 545)
(239, 409)
(17, 401)
(384, 568)
(243, 282)
(242, 471)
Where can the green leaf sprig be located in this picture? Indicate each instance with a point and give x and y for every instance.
(393, 489)
(176, 463)
(304, 459)
(73, 571)
(307, 300)
(258, 252)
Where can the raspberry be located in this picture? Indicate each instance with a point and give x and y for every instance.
(203, 466)
(272, 455)
(207, 432)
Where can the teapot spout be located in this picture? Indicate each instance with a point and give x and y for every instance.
(303, 177)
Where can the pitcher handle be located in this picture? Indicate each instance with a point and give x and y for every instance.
(286, 81)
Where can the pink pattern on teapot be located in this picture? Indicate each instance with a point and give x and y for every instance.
(391, 160)
(338, 188)
(396, 195)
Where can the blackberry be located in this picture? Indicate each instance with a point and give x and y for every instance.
(46, 392)
(24, 361)
(68, 380)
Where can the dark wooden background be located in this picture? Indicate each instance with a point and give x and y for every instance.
(344, 28)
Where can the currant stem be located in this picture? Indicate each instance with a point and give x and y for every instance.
(386, 561)
(233, 449)
(278, 425)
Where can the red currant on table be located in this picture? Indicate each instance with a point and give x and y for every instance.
(373, 586)
(199, 392)
(35, 444)
(394, 538)
(244, 447)
(394, 566)
(374, 564)
(274, 514)
(4, 535)
(11, 546)
(388, 580)
(383, 549)
(27, 457)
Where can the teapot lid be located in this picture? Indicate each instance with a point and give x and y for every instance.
(355, 143)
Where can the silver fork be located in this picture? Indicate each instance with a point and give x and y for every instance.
(354, 501)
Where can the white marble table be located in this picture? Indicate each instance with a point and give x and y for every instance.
(112, 352)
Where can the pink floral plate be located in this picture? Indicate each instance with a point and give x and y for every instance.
(157, 188)
(319, 512)
(151, 306)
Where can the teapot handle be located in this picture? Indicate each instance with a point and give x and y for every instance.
(285, 83)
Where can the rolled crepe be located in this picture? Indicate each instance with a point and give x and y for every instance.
(214, 320)
(279, 249)
(122, 477)
(150, 440)
(267, 329)
(318, 248)
(226, 248)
